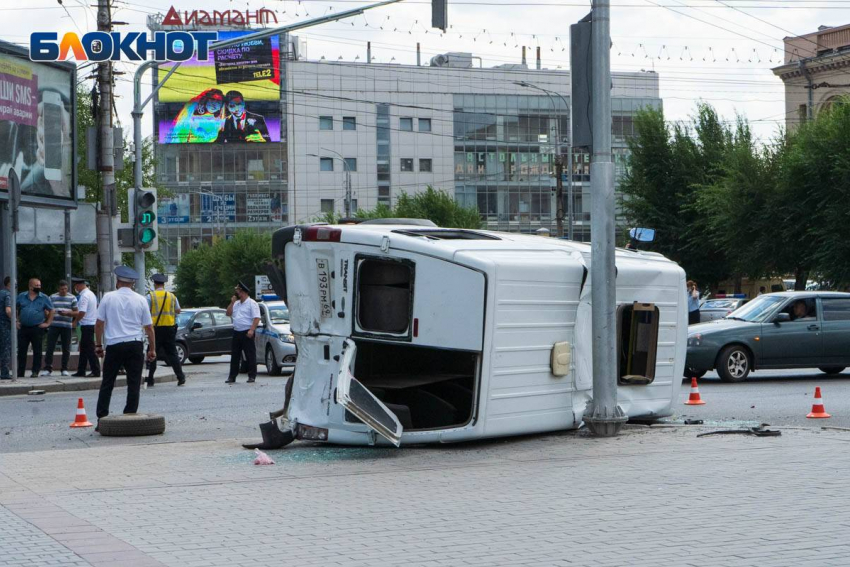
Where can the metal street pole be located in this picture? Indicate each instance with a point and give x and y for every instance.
(139, 105)
(559, 162)
(347, 181)
(11, 228)
(603, 416)
(68, 246)
(108, 208)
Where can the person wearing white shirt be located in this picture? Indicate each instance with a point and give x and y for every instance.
(246, 316)
(122, 321)
(86, 317)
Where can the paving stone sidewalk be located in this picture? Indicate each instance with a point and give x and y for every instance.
(650, 497)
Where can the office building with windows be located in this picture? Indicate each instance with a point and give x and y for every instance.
(313, 132)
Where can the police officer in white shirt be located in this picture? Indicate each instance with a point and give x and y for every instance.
(122, 317)
(246, 316)
(87, 318)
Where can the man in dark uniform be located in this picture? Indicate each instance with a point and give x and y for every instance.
(123, 318)
(164, 310)
(246, 316)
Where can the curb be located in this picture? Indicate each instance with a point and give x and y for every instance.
(50, 386)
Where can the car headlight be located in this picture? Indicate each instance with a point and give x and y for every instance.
(695, 340)
(290, 338)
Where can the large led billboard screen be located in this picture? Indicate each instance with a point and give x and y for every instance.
(36, 127)
(233, 97)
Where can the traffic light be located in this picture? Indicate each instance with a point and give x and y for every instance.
(144, 219)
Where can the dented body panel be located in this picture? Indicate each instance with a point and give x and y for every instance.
(454, 337)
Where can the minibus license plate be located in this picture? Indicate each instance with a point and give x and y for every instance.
(324, 287)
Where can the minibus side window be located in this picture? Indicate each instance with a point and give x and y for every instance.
(637, 343)
(384, 296)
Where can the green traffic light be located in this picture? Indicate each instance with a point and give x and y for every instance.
(146, 218)
(146, 236)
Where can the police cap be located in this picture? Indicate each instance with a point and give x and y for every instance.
(243, 287)
(159, 278)
(126, 274)
(77, 279)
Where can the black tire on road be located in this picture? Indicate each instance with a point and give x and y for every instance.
(182, 352)
(271, 364)
(131, 425)
(734, 363)
(690, 373)
(196, 359)
(831, 369)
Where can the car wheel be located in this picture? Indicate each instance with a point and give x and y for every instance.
(831, 369)
(182, 353)
(131, 425)
(271, 364)
(196, 359)
(734, 364)
(691, 373)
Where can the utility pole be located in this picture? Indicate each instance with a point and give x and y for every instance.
(108, 206)
(559, 191)
(603, 416)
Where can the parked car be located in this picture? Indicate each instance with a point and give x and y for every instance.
(775, 330)
(203, 332)
(719, 307)
(274, 340)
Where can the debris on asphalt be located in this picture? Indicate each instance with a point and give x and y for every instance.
(693, 422)
(262, 458)
(35, 392)
(759, 431)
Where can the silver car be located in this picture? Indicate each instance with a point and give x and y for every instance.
(719, 308)
(274, 340)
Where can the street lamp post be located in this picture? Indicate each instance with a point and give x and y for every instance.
(347, 170)
(570, 208)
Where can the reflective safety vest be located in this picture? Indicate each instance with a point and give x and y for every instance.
(161, 299)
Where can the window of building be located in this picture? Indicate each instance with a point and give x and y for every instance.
(803, 112)
(407, 164)
(327, 205)
(351, 163)
(405, 124)
(349, 123)
(425, 165)
(424, 124)
(326, 164)
(326, 122)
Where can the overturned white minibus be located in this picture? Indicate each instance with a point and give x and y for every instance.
(408, 333)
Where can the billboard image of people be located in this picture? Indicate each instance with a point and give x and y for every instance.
(233, 97)
(35, 126)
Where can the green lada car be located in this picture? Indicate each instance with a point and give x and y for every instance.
(775, 330)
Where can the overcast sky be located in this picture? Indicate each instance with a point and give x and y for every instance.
(720, 52)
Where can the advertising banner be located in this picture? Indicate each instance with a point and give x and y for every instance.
(174, 210)
(263, 207)
(233, 97)
(36, 126)
(220, 207)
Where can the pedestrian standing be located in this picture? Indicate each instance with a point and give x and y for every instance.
(164, 309)
(246, 316)
(123, 320)
(87, 318)
(693, 303)
(35, 315)
(6, 329)
(61, 328)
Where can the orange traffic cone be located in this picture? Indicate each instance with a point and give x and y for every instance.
(694, 399)
(81, 420)
(818, 411)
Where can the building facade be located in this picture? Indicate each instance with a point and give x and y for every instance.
(816, 72)
(488, 136)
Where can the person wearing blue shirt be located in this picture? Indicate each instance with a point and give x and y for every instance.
(693, 303)
(35, 313)
(5, 330)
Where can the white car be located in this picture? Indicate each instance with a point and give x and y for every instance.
(274, 340)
